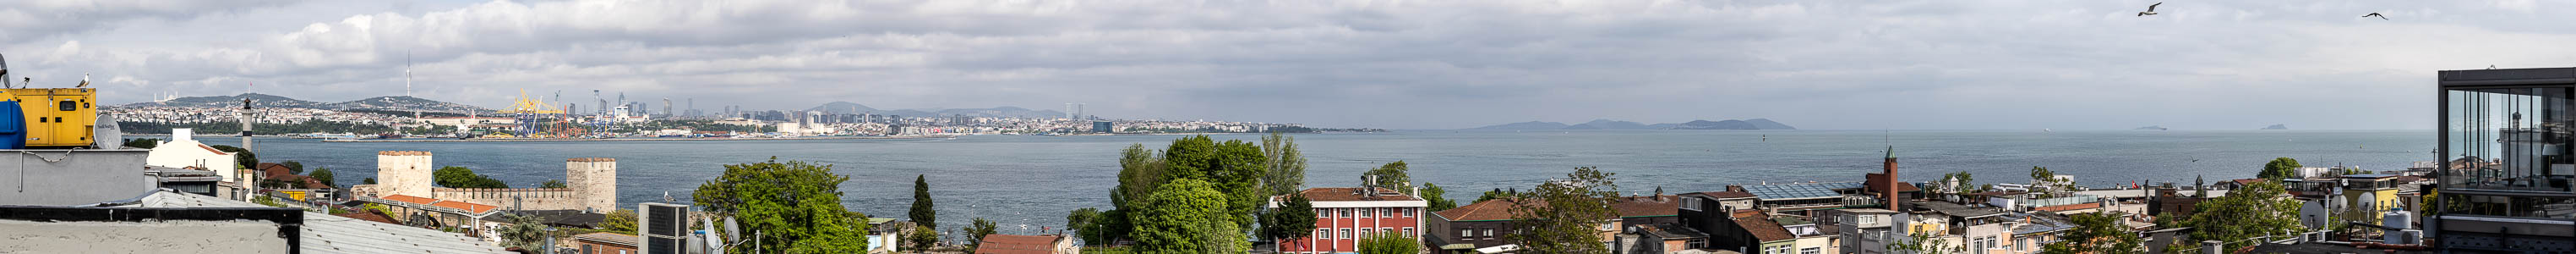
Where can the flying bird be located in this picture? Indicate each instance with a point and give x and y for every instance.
(2373, 14)
(2151, 10)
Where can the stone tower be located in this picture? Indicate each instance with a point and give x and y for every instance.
(594, 182)
(404, 173)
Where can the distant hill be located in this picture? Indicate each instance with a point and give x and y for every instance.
(1747, 124)
(1530, 125)
(386, 103)
(2277, 127)
(844, 107)
(403, 103)
(1607, 124)
(2151, 128)
(229, 101)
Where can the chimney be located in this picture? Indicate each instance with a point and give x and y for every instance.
(1890, 184)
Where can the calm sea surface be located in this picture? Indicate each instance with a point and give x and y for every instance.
(1034, 180)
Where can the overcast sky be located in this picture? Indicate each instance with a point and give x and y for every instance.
(1383, 64)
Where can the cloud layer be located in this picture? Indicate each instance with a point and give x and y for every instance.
(1389, 64)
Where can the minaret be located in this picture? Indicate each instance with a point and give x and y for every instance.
(1893, 193)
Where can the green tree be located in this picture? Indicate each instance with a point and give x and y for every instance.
(144, 143)
(1085, 224)
(369, 180)
(293, 167)
(553, 183)
(324, 175)
(1958, 182)
(2097, 233)
(921, 238)
(2256, 210)
(1293, 218)
(524, 232)
(1233, 168)
(244, 157)
(1495, 194)
(1389, 243)
(461, 177)
(621, 221)
(1437, 197)
(921, 207)
(2041, 177)
(1564, 215)
(1924, 242)
(1184, 216)
(975, 233)
(1393, 175)
(1287, 167)
(795, 207)
(2280, 168)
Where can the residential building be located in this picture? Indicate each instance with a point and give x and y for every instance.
(604, 243)
(184, 151)
(1344, 215)
(1026, 244)
(2507, 183)
(1974, 229)
(1864, 230)
(1663, 238)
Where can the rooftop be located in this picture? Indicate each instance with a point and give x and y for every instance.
(1352, 194)
(1800, 190)
(323, 233)
(1724, 194)
(1668, 231)
(608, 238)
(1764, 229)
(1488, 210)
(1648, 206)
(1954, 209)
(1017, 244)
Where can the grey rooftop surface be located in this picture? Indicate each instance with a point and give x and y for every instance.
(324, 233)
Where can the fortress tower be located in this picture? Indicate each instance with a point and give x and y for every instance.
(594, 180)
(404, 173)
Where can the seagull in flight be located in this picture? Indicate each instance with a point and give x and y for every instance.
(2151, 10)
(2373, 14)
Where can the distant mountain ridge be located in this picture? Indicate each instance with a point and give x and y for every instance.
(2277, 127)
(385, 103)
(844, 107)
(1607, 124)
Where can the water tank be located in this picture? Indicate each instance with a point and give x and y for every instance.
(13, 126)
(2397, 218)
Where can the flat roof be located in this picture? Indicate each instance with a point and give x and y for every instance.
(2507, 77)
(1800, 190)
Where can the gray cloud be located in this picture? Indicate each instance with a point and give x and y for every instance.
(1406, 64)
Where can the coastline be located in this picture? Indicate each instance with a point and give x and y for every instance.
(613, 139)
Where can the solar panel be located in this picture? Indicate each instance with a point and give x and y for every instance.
(1799, 190)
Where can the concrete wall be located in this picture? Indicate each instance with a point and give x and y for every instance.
(404, 173)
(142, 237)
(595, 179)
(72, 177)
(526, 198)
(189, 153)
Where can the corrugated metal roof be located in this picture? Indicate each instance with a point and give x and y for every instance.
(323, 233)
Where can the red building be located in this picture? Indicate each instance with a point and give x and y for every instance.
(1344, 215)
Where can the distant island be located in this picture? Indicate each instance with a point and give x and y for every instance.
(2277, 127)
(1607, 124)
(2152, 128)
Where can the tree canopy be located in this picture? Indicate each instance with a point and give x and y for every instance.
(1233, 168)
(1185, 216)
(462, 177)
(2097, 233)
(1287, 166)
(1563, 216)
(621, 221)
(794, 206)
(975, 232)
(325, 176)
(1294, 218)
(2255, 210)
(2280, 168)
(144, 143)
(1389, 243)
(1437, 197)
(1393, 175)
(922, 211)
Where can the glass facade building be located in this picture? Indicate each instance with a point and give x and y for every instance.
(2507, 180)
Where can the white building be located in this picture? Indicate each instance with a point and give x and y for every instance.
(183, 151)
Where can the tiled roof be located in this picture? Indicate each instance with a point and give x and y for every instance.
(1764, 229)
(1494, 209)
(1644, 206)
(1352, 194)
(1017, 244)
(468, 207)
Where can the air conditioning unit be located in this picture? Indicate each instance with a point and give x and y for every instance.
(664, 229)
(2410, 236)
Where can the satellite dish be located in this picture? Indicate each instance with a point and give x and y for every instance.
(731, 227)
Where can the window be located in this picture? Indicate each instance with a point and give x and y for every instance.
(1323, 213)
(1365, 232)
(1346, 212)
(1690, 204)
(1489, 233)
(1408, 232)
(1868, 220)
(1464, 234)
(1346, 233)
(1367, 212)
(1811, 250)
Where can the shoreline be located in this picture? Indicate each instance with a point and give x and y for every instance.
(614, 139)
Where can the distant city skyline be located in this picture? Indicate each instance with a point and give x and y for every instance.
(1399, 65)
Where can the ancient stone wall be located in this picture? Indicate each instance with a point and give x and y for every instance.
(522, 198)
(404, 173)
(596, 179)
